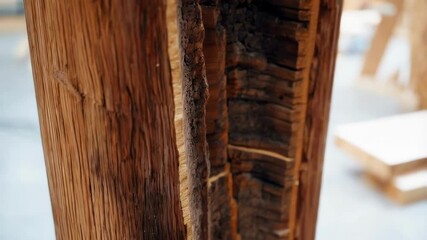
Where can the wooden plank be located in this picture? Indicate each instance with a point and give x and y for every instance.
(221, 203)
(195, 95)
(269, 48)
(402, 189)
(103, 88)
(410, 187)
(388, 146)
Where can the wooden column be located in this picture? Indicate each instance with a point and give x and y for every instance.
(418, 35)
(317, 118)
(273, 82)
(104, 94)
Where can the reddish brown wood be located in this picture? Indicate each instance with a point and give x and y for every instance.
(317, 118)
(268, 61)
(221, 203)
(251, 165)
(103, 87)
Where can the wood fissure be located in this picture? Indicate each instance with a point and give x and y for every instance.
(174, 56)
(269, 48)
(195, 94)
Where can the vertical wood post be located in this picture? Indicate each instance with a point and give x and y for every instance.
(104, 95)
(418, 35)
(317, 117)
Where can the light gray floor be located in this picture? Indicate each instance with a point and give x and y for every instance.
(24, 198)
(349, 210)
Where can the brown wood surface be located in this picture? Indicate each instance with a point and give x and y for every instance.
(174, 57)
(250, 155)
(317, 118)
(388, 146)
(103, 88)
(195, 94)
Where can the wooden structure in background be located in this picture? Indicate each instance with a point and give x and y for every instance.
(247, 124)
(376, 52)
(418, 37)
(412, 95)
(393, 152)
(381, 38)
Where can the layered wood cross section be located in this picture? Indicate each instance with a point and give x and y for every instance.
(258, 57)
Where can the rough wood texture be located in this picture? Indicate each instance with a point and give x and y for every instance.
(273, 88)
(269, 50)
(104, 91)
(268, 57)
(317, 118)
(195, 93)
(418, 34)
(103, 88)
(174, 56)
(221, 204)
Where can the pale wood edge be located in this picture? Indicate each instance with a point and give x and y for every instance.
(369, 162)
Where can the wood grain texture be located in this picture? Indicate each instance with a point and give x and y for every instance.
(268, 56)
(103, 87)
(221, 204)
(195, 94)
(317, 118)
(174, 57)
(278, 94)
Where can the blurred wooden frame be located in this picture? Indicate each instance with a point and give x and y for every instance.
(375, 55)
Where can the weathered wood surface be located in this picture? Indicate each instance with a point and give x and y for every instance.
(317, 118)
(195, 94)
(269, 47)
(221, 203)
(174, 57)
(103, 87)
(402, 189)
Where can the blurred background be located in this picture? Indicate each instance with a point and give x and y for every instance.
(359, 200)
(25, 211)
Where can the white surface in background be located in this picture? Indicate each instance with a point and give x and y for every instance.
(392, 140)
